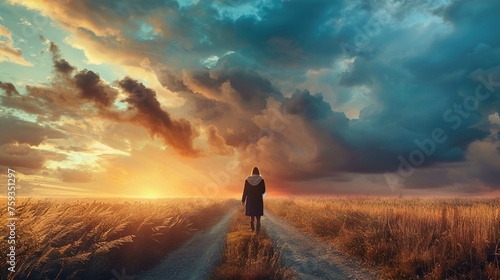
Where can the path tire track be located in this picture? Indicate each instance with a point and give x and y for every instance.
(308, 257)
(196, 258)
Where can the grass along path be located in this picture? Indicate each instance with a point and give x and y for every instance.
(309, 258)
(196, 258)
(408, 238)
(100, 239)
(249, 255)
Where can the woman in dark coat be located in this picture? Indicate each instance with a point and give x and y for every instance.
(252, 194)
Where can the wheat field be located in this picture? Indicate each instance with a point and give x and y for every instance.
(100, 239)
(406, 238)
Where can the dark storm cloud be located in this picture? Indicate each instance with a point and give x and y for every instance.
(18, 141)
(21, 156)
(420, 63)
(409, 94)
(430, 178)
(69, 95)
(60, 65)
(63, 96)
(250, 89)
(489, 176)
(311, 107)
(368, 145)
(485, 162)
(23, 103)
(171, 81)
(92, 88)
(8, 88)
(289, 33)
(205, 108)
(89, 83)
(215, 94)
(417, 94)
(177, 133)
(26, 159)
(19, 131)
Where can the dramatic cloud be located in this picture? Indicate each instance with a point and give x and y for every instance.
(318, 94)
(177, 133)
(217, 142)
(60, 65)
(67, 94)
(8, 88)
(23, 132)
(92, 88)
(22, 156)
(8, 52)
(19, 141)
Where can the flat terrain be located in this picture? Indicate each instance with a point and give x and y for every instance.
(405, 238)
(103, 238)
(196, 258)
(306, 256)
(309, 258)
(194, 239)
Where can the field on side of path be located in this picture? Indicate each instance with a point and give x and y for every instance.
(88, 239)
(406, 238)
(248, 255)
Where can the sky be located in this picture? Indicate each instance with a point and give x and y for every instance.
(182, 98)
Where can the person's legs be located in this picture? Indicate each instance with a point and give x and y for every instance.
(251, 222)
(258, 223)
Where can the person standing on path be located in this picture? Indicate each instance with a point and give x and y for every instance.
(252, 195)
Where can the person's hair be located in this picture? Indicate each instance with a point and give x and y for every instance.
(255, 171)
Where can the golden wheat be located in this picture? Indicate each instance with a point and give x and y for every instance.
(408, 238)
(85, 239)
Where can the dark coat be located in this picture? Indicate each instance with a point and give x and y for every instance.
(253, 196)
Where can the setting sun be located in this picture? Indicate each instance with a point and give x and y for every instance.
(150, 194)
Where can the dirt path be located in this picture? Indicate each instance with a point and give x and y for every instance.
(308, 257)
(196, 258)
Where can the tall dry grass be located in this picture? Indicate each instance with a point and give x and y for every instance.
(85, 239)
(407, 238)
(249, 256)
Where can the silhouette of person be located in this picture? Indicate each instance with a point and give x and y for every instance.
(252, 194)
